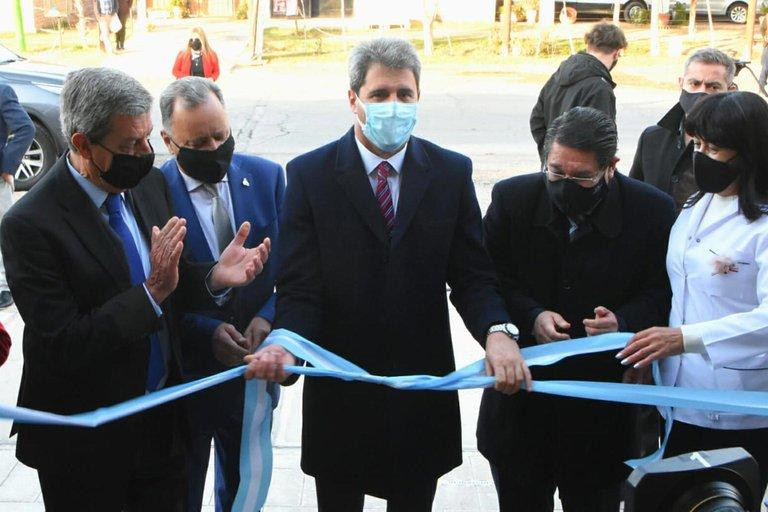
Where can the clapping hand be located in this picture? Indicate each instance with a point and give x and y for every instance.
(237, 265)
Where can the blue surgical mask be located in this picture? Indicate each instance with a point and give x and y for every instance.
(388, 125)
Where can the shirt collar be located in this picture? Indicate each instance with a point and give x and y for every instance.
(193, 184)
(371, 161)
(97, 195)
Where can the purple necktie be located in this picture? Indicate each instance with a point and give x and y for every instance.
(383, 194)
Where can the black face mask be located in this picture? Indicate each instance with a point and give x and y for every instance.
(127, 171)
(712, 175)
(574, 200)
(195, 44)
(689, 99)
(208, 166)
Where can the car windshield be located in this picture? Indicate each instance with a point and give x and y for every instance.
(7, 55)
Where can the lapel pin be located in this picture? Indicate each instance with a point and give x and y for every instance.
(246, 183)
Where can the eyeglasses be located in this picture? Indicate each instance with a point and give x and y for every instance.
(557, 176)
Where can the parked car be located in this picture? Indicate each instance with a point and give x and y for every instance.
(38, 87)
(734, 10)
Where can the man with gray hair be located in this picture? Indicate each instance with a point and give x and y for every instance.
(664, 156)
(93, 257)
(215, 189)
(374, 226)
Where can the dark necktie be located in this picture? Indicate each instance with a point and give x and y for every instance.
(384, 195)
(156, 370)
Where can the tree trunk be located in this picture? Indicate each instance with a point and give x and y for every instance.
(617, 12)
(692, 19)
(749, 30)
(428, 23)
(256, 41)
(506, 26)
(655, 43)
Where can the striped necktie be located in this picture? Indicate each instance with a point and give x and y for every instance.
(384, 195)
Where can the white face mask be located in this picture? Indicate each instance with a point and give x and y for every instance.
(388, 125)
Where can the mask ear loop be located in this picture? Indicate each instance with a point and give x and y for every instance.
(362, 125)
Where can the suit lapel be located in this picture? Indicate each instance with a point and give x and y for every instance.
(243, 207)
(414, 181)
(86, 222)
(351, 177)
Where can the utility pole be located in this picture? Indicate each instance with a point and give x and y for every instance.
(256, 41)
(692, 19)
(20, 37)
(655, 44)
(506, 26)
(749, 32)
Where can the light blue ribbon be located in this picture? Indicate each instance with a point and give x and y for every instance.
(256, 452)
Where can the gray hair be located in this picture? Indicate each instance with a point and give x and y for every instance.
(586, 129)
(91, 96)
(390, 52)
(714, 56)
(193, 92)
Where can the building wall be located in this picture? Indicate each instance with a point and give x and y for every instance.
(8, 16)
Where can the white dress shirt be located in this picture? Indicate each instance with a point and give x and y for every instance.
(723, 316)
(371, 161)
(203, 204)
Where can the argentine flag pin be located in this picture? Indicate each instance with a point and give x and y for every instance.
(246, 183)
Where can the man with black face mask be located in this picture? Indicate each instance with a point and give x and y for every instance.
(579, 250)
(664, 156)
(215, 190)
(98, 277)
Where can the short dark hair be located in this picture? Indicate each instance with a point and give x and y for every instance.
(736, 121)
(606, 38)
(587, 129)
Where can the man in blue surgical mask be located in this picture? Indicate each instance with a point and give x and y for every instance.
(664, 156)
(374, 226)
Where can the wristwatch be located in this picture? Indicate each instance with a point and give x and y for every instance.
(509, 329)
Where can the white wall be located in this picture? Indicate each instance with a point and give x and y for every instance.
(8, 16)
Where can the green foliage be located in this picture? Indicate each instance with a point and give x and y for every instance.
(679, 13)
(242, 11)
(641, 17)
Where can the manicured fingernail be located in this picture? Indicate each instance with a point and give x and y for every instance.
(619, 355)
(637, 365)
(625, 361)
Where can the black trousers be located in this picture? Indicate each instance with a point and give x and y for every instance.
(120, 34)
(334, 496)
(150, 478)
(538, 496)
(686, 438)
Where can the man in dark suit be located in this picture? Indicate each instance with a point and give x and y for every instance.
(579, 250)
(95, 280)
(664, 155)
(216, 190)
(374, 225)
(16, 134)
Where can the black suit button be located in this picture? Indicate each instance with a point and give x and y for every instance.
(567, 284)
(675, 179)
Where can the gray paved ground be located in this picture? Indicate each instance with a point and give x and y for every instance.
(279, 111)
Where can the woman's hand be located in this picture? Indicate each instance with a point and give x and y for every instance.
(651, 345)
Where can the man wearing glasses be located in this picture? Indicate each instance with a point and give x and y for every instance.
(579, 250)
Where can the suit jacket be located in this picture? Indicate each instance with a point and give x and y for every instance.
(16, 130)
(86, 329)
(619, 265)
(381, 303)
(256, 186)
(659, 151)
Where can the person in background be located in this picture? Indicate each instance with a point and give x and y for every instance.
(198, 58)
(717, 262)
(17, 131)
(123, 13)
(579, 251)
(582, 80)
(664, 152)
(104, 10)
(215, 189)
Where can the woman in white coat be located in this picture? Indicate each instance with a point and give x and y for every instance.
(717, 262)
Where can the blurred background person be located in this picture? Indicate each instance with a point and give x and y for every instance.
(717, 262)
(104, 10)
(664, 152)
(5, 344)
(123, 13)
(764, 57)
(16, 134)
(198, 58)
